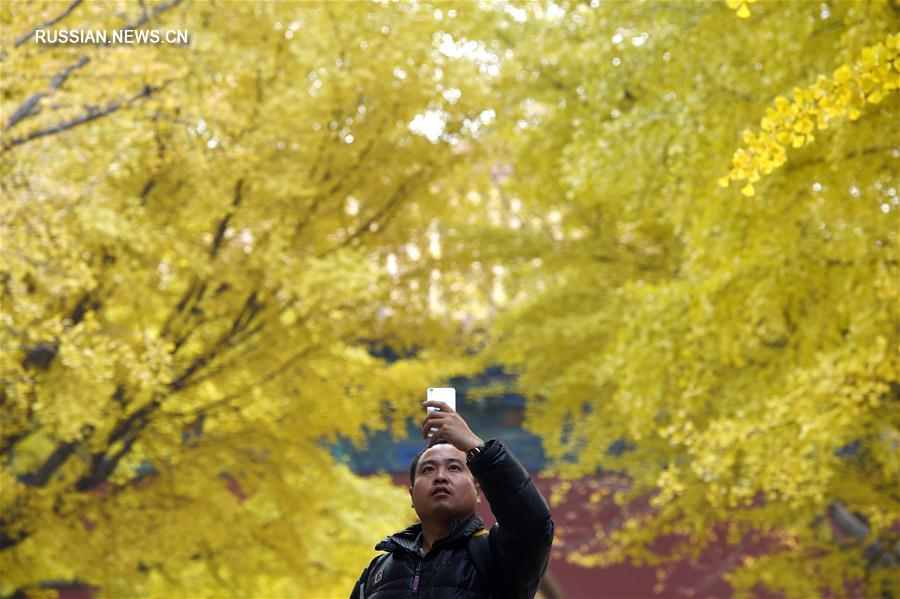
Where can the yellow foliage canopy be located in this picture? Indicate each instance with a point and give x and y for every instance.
(743, 350)
(194, 277)
(202, 245)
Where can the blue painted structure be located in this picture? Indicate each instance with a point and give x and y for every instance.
(495, 414)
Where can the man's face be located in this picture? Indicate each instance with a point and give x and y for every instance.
(444, 486)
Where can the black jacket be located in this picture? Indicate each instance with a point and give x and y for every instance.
(520, 543)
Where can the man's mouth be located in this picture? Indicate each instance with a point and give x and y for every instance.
(440, 491)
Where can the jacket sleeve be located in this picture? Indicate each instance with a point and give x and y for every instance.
(359, 588)
(523, 534)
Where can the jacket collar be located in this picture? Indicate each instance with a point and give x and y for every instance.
(411, 538)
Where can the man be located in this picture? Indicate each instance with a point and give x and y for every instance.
(434, 559)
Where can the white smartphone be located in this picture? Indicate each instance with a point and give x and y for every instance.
(444, 394)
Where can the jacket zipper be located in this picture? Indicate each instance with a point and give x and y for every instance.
(415, 588)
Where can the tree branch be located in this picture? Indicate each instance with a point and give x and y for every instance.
(29, 106)
(248, 311)
(356, 172)
(279, 370)
(102, 465)
(24, 38)
(195, 292)
(92, 115)
(395, 199)
(8, 539)
(223, 224)
(40, 477)
(146, 16)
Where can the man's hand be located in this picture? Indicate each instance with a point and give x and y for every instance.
(450, 427)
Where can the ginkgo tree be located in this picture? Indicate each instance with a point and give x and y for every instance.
(676, 221)
(739, 343)
(199, 260)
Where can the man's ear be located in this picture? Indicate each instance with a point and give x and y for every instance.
(411, 504)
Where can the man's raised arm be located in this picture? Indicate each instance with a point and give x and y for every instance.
(524, 530)
(523, 535)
